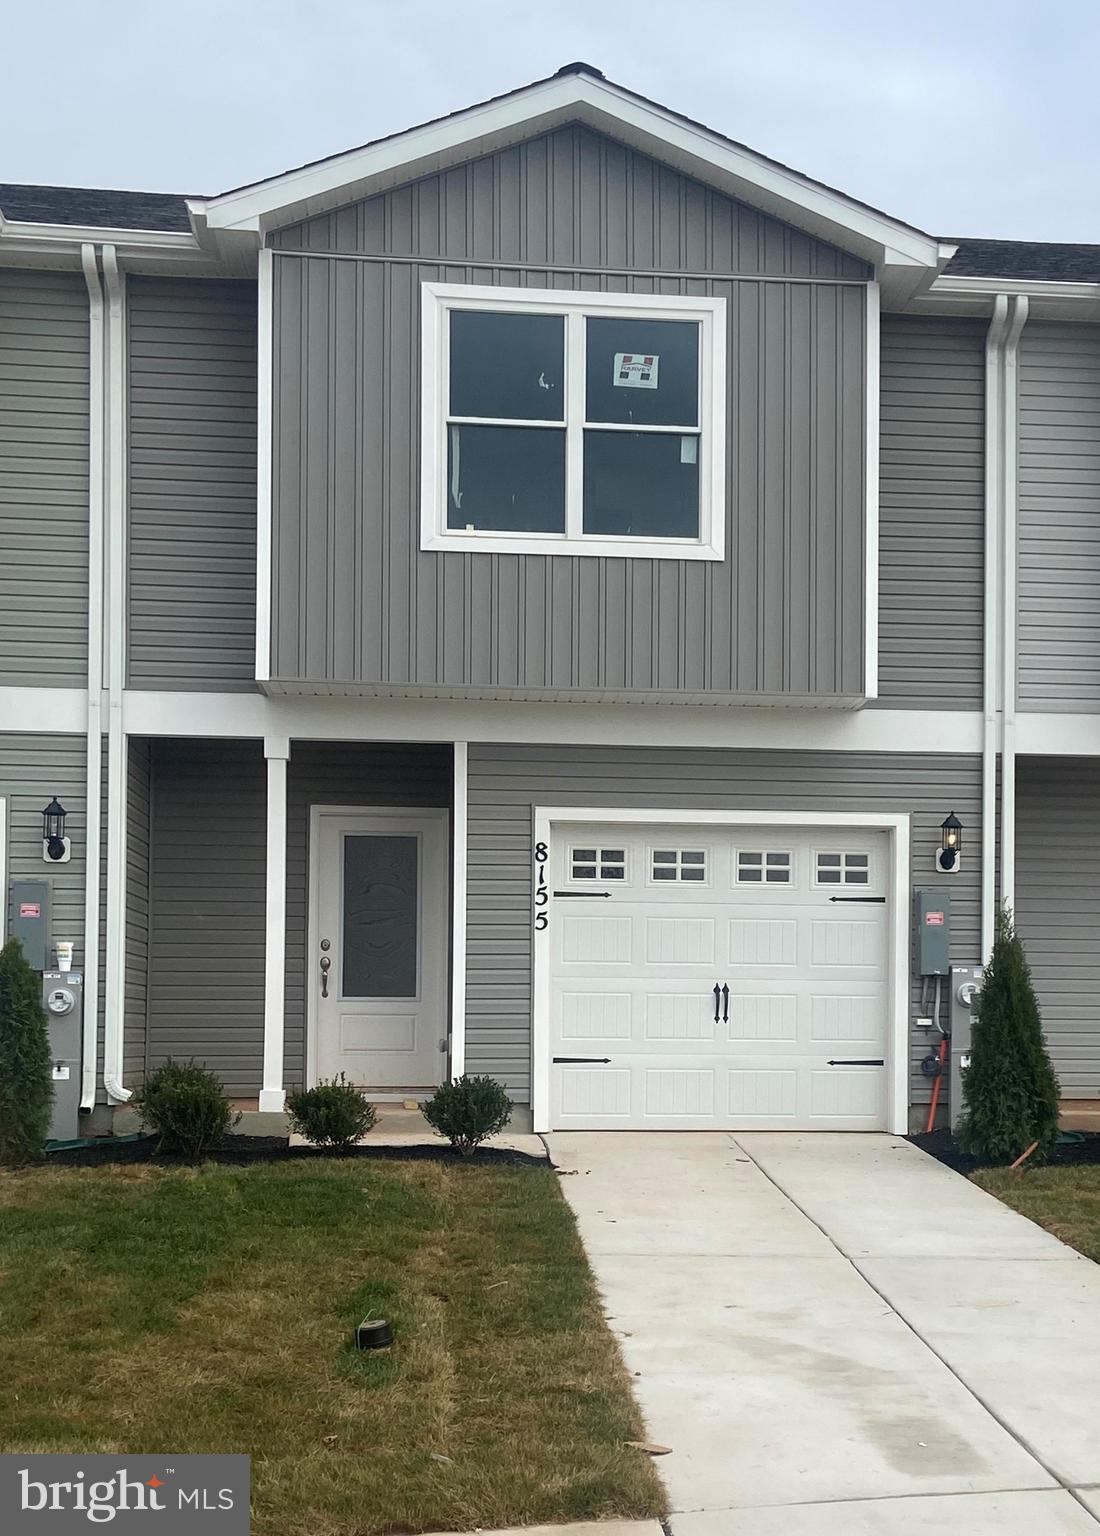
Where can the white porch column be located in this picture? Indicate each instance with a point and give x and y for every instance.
(273, 1094)
(458, 913)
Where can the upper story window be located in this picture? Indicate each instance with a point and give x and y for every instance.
(569, 423)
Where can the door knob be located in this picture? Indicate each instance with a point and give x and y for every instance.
(325, 965)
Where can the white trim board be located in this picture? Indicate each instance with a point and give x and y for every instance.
(896, 825)
(606, 107)
(459, 866)
(172, 713)
(3, 870)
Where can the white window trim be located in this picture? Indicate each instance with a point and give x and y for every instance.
(567, 818)
(763, 883)
(439, 299)
(600, 862)
(679, 847)
(844, 854)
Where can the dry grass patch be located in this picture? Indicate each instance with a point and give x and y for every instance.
(150, 1309)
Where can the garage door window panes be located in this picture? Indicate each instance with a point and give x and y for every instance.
(843, 869)
(763, 868)
(679, 864)
(597, 863)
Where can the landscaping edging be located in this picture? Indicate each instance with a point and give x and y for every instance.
(241, 1150)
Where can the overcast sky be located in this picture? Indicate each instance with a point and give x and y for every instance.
(974, 119)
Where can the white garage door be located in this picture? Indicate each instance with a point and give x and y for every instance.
(718, 977)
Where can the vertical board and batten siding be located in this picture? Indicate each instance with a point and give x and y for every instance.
(931, 513)
(34, 768)
(192, 483)
(1059, 518)
(1058, 909)
(507, 782)
(207, 898)
(44, 407)
(355, 600)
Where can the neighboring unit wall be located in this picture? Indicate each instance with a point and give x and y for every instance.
(34, 768)
(1059, 518)
(43, 478)
(506, 782)
(192, 483)
(931, 513)
(1058, 909)
(355, 599)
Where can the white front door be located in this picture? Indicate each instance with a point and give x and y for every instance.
(714, 977)
(377, 961)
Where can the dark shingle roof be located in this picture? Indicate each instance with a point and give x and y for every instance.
(84, 205)
(1026, 260)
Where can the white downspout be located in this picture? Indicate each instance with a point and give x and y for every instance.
(994, 387)
(93, 797)
(113, 1034)
(1010, 622)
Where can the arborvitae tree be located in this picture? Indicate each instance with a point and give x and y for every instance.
(1010, 1090)
(26, 1083)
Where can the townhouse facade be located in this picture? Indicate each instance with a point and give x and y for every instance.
(552, 593)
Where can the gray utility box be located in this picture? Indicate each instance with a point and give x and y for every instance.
(30, 919)
(932, 931)
(965, 985)
(63, 999)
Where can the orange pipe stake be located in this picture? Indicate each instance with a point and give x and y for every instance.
(1023, 1157)
(936, 1086)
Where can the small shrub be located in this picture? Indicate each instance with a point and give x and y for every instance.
(467, 1111)
(332, 1114)
(1010, 1090)
(26, 1086)
(184, 1103)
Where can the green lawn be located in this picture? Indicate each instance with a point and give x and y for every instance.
(1064, 1200)
(168, 1309)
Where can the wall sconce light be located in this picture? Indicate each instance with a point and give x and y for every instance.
(55, 845)
(949, 853)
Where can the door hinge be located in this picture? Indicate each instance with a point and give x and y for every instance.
(855, 1061)
(601, 1060)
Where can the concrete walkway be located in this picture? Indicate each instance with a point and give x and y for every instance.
(837, 1335)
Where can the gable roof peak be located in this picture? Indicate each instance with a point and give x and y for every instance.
(579, 67)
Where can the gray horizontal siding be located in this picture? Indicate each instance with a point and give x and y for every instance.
(139, 816)
(505, 783)
(356, 601)
(43, 478)
(932, 499)
(572, 198)
(192, 483)
(34, 768)
(1058, 909)
(206, 970)
(1059, 518)
(206, 949)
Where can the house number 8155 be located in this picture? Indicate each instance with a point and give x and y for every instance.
(542, 895)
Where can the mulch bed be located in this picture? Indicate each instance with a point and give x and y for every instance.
(1067, 1154)
(242, 1150)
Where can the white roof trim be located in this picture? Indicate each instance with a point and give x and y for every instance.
(479, 130)
(96, 234)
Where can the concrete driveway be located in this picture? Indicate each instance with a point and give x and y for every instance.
(837, 1335)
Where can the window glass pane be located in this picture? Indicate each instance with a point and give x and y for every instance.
(855, 877)
(663, 872)
(506, 478)
(585, 855)
(828, 861)
(380, 916)
(641, 485)
(663, 857)
(643, 372)
(612, 872)
(856, 860)
(693, 872)
(688, 857)
(507, 365)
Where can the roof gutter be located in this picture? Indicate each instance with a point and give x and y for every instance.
(117, 747)
(93, 784)
(994, 388)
